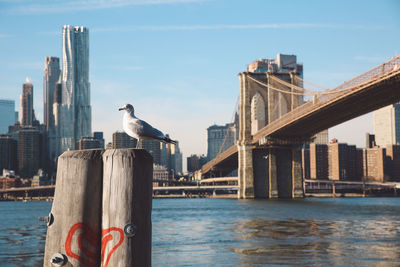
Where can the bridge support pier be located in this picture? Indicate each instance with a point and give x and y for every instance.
(245, 172)
(270, 172)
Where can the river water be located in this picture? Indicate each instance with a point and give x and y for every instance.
(228, 232)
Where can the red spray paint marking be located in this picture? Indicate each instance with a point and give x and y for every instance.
(87, 244)
(106, 237)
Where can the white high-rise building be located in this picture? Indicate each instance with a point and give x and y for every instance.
(7, 111)
(76, 116)
(27, 114)
(386, 123)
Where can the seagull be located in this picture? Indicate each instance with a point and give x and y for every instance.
(140, 129)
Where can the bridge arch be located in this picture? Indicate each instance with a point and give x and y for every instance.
(258, 110)
(281, 104)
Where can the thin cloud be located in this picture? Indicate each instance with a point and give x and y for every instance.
(87, 5)
(231, 27)
(3, 35)
(35, 65)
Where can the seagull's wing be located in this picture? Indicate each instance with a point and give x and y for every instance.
(145, 130)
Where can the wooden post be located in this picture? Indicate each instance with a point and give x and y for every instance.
(333, 190)
(74, 229)
(127, 201)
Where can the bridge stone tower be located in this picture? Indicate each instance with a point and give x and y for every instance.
(269, 168)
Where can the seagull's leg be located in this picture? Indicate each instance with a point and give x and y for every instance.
(137, 143)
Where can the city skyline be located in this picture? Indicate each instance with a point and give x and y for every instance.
(180, 72)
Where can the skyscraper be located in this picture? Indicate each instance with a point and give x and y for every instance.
(220, 138)
(154, 148)
(8, 153)
(7, 111)
(75, 111)
(26, 113)
(99, 136)
(29, 151)
(122, 140)
(386, 124)
(54, 132)
(51, 75)
(174, 159)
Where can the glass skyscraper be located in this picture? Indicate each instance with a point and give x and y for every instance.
(75, 100)
(7, 111)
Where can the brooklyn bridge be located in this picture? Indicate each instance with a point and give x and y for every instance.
(277, 115)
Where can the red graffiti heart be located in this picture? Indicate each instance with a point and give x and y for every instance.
(107, 237)
(87, 241)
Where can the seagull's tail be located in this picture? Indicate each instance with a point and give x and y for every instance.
(168, 140)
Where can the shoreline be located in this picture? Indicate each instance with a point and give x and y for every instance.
(232, 196)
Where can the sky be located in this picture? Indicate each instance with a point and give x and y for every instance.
(176, 61)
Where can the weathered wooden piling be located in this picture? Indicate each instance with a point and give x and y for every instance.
(101, 214)
(127, 201)
(74, 230)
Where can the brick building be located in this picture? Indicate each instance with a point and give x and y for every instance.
(319, 161)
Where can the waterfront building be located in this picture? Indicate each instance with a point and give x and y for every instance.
(8, 153)
(122, 140)
(75, 108)
(342, 162)
(29, 151)
(318, 161)
(160, 173)
(99, 136)
(27, 115)
(393, 162)
(7, 111)
(40, 179)
(374, 167)
(88, 142)
(386, 125)
(220, 138)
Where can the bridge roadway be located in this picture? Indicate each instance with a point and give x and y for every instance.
(367, 92)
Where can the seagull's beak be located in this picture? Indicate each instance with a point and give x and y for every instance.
(121, 109)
